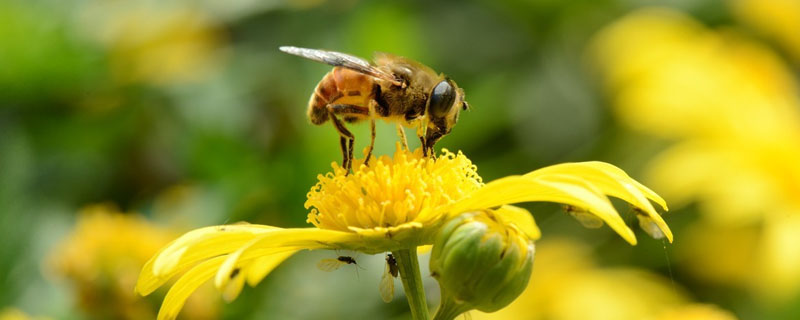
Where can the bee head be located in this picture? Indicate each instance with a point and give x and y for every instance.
(441, 99)
(445, 101)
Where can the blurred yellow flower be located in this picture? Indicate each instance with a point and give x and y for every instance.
(102, 258)
(566, 284)
(779, 19)
(155, 42)
(16, 314)
(732, 107)
(697, 312)
(394, 204)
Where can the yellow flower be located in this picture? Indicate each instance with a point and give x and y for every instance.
(395, 203)
(102, 257)
(16, 314)
(732, 106)
(697, 312)
(159, 44)
(779, 19)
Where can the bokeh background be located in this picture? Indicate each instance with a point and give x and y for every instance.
(125, 123)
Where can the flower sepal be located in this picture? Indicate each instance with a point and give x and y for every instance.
(481, 262)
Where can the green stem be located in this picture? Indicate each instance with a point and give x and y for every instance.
(408, 264)
(448, 308)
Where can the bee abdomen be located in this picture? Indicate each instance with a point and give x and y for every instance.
(323, 94)
(342, 86)
(316, 109)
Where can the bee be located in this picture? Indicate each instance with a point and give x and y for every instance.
(386, 286)
(394, 88)
(333, 264)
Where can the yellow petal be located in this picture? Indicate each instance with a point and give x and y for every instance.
(603, 182)
(276, 244)
(594, 202)
(222, 236)
(522, 219)
(185, 285)
(608, 177)
(616, 183)
(251, 261)
(262, 266)
(515, 189)
(234, 286)
(191, 248)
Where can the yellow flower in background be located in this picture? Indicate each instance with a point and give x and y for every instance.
(15, 314)
(395, 204)
(102, 258)
(733, 110)
(697, 312)
(779, 19)
(567, 284)
(154, 42)
(659, 60)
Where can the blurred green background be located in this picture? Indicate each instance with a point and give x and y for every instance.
(186, 113)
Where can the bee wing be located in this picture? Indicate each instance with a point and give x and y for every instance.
(386, 286)
(329, 264)
(342, 60)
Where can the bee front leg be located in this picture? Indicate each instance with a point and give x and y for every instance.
(371, 141)
(431, 138)
(372, 103)
(402, 133)
(422, 129)
(424, 145)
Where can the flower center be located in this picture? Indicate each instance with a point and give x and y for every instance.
(390, 192)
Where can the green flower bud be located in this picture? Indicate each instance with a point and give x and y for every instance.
(480, 262)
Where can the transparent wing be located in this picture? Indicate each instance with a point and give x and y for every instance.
(329, 264)
(342, 60)
(587, 219)
(386, 286)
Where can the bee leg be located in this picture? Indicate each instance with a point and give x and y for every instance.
(344, 135)
(422, 133)
(371, 112)
(350, 147)
(424, 146)
(402, 134)
(350, 113)
(430, 139)
(371, 141)
(343, 146)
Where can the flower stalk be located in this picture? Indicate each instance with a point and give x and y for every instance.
(448, 308)
(408, 265)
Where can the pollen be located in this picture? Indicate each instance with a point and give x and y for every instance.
(407, 189)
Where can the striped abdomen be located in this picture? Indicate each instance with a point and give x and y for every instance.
(341, 86)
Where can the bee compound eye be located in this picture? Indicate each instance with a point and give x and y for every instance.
(442, 97)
